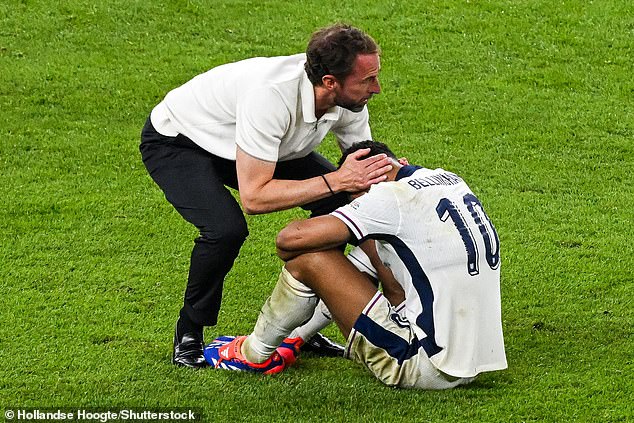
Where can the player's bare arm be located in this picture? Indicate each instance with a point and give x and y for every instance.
(392, 290)
(260, 193)
(316, 234)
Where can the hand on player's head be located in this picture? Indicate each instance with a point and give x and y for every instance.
(369, 147)
(360, 170)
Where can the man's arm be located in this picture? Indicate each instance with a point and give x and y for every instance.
(260, 193)
(315, 234)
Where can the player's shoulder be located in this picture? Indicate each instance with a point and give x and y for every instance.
(384, 191)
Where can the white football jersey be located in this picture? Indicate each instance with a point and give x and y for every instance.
(434, 235)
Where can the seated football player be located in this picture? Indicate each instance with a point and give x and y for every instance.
(436, 322)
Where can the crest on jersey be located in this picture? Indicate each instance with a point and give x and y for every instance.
(400, 320)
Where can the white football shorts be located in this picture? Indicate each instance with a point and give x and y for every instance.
(384, 342)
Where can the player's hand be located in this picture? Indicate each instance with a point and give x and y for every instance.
(358, 173)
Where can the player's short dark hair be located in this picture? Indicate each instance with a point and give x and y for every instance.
(374, 146)
(333, 49)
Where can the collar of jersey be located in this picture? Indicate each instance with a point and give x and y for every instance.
(406, 171)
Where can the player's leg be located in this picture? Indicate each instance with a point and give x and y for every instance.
(322, 317)
(344, 289)
(290, 304)
(192, 181)
(308, 335)
(309, 329)
(288, 307)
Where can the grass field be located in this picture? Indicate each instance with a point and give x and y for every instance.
(532, 102)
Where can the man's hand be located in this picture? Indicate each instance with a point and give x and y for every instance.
(358, 174)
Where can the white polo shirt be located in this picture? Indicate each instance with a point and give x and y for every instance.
(265, 105)
(434, 235)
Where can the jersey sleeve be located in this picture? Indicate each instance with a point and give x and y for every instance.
(262, 119)
(352, 128)
(375, 212)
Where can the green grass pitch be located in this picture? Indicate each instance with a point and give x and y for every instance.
(531, 101)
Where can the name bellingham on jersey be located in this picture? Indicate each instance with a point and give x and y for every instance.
(446, 178)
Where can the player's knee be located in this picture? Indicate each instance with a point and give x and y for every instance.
(303, 266)
(294, 267)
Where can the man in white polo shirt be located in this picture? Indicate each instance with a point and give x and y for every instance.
(253, 125)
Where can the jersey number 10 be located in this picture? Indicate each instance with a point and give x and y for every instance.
(447, 208)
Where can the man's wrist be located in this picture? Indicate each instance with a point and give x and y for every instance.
(328, 184)
(333, 181)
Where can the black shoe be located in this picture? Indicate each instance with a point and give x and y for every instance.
(188, 350)
(323, 346)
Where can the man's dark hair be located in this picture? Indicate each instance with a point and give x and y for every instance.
(374, 146)
(332, 51)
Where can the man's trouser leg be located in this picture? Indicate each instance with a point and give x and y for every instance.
(193, 181)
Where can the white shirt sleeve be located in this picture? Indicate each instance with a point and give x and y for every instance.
(376, 212)
(352, 128)
(262, 119)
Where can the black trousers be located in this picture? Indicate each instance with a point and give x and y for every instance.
(195, 183)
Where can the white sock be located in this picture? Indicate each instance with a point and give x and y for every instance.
(291, 303)
(321, 318)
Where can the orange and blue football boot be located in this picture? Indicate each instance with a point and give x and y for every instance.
(224, 353)
(289, 349)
